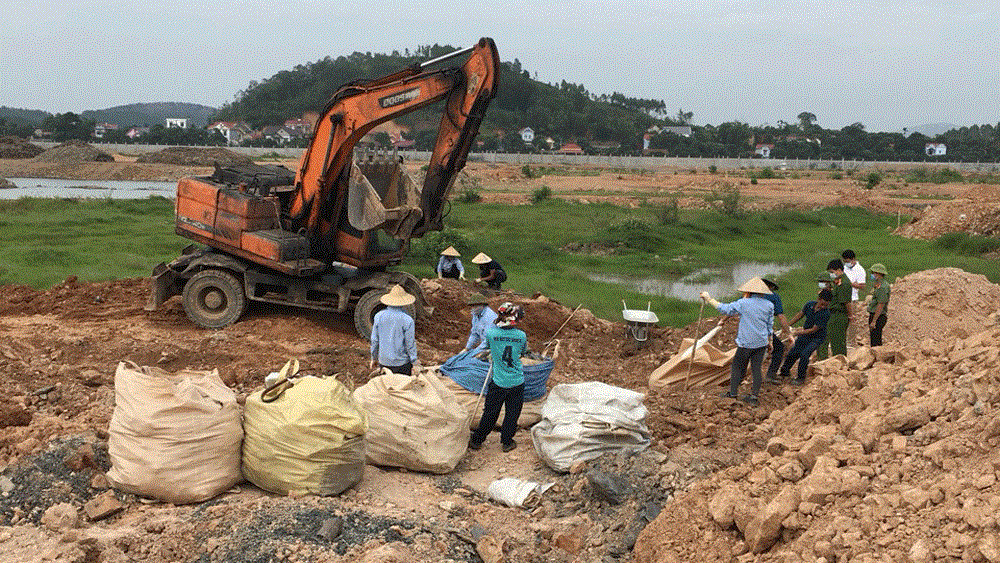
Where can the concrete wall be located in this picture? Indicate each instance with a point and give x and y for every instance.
(628, 162)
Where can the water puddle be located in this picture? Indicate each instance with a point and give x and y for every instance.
(720, 282)
(114, 189)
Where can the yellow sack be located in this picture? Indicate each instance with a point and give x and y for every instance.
(413, 422)
(174, 437)
(309, 439)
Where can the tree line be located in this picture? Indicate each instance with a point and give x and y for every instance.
(557, 113)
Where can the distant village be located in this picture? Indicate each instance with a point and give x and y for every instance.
(297, 133)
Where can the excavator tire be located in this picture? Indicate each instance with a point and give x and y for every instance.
(367, 306)
(214, 298)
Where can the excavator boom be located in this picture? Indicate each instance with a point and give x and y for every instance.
(358, 107)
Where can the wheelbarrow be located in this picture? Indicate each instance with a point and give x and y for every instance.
(637, 322)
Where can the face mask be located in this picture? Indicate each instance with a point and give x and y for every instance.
(821, 285)
(872, 276)
(833, 276)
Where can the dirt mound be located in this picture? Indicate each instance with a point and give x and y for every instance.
(935, 303)
(74, 151)
(191, 156)
(977, 213)
(885, 455)
(16, 147)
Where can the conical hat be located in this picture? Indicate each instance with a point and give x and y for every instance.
(481, 259)
(754, 285)
(397, 297)
(450, 251)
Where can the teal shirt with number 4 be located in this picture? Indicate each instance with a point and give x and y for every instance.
(507, 344)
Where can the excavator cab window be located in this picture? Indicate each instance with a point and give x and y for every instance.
(383, 243)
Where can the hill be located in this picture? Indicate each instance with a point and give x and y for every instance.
(564, 111)
(148, 114)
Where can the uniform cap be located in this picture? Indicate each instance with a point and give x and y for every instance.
(879, 269)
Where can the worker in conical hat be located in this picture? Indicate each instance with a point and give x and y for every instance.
(753, 336)
(393, 340)
(450, 264)
(490, 271)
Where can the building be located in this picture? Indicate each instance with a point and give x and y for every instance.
(234, 131)
(570, 148)
(527, 135)
(935, 149)
(179, 122)
(763, 150)
(136, 132)
(101, 129)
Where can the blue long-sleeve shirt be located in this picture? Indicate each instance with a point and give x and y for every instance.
(756, 320)
(481, 321)
(393, 339)
(446, 262)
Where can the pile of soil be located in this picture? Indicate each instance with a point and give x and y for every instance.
(935, 303)
(74, 151)
(191, 156)
(886, 455)
(976, 213)
(16, 147)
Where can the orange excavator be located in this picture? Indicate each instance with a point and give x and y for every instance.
(323, 236)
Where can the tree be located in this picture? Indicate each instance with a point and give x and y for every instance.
(684, 117)
(806, 120)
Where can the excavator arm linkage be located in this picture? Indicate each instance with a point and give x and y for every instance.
(321, 181)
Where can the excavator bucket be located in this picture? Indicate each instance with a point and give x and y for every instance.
(382, 195)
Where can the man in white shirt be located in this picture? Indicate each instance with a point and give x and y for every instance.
(855, 272)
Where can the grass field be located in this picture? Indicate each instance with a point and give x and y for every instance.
(42, 241)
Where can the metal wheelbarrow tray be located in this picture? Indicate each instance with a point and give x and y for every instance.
(638, 321)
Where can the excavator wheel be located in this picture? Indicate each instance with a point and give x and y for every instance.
(367, 306)
(214, 298)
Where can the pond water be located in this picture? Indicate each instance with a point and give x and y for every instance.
(115, 189)
(721, 281)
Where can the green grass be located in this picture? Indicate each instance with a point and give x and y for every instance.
(528, 241)
(43, 241)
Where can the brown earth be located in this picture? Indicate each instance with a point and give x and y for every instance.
(884, 456)
(194, 156)
(16, 147)
(72, 152)
(858, 449)
(977, 212)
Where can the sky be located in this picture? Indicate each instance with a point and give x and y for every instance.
(887, 64)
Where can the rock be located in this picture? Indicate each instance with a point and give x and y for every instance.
(722, 505)
(867, 429)
(919, 552)
(577, 467)
(569, 541)
(989, 549)
(6, 485)
(103, 505)
(765, 528)
(81, 458)
(861, 358)
(609, 487)
(60, 517)
(916, 497)
(791, 471)
(744, 511)
(330, 529)
(816, 446)
(909, 417)
(777, 446)
(99, 481)
(13, 415)
(431, 286)
(817, 486)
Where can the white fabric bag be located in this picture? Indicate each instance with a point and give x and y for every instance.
(581, 421)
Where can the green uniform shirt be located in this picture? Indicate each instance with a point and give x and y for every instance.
(507, 345)
(880, 295)
(842, 295)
